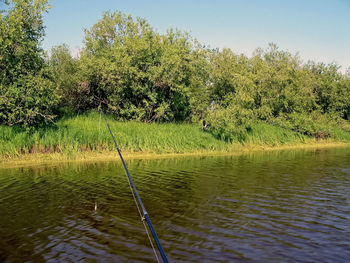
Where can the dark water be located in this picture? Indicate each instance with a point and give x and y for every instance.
(270, 207)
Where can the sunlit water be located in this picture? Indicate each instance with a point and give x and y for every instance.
(291, 206)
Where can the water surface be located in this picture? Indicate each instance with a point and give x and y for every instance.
(291, 206)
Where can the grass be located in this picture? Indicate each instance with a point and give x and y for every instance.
(267, 134)
(88, 133)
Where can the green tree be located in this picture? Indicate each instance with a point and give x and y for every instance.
(26, 88)
(282, 86)
(330, 88)
(138, 73)
(275, 87)
(65, 71)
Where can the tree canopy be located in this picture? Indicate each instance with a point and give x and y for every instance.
(135, 73)
(26, 87)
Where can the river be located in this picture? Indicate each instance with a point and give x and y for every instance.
(278, 206)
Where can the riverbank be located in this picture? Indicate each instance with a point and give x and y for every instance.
(86, 138)
(37, 159)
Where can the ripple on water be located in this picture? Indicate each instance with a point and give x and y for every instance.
(272, 207)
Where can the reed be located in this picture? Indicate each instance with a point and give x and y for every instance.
(270, 135)
(88, 133)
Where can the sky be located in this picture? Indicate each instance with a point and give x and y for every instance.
(317, 29)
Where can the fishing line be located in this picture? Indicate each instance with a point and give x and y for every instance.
(140, 207)
(143, 221)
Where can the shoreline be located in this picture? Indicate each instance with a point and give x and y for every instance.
(39, 159)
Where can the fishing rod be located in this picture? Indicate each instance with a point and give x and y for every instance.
(144, 215)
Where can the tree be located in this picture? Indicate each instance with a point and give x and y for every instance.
(65, 71)
(26, 88)
(137, 73)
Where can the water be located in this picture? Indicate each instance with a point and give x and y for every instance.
(291, 206)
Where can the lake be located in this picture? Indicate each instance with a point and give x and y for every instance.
(278, 206)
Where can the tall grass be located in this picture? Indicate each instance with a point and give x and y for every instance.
(267, 134)
(88, 132)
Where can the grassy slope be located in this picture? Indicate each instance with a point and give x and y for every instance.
(89, 133)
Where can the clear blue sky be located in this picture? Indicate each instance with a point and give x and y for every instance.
(317, 29)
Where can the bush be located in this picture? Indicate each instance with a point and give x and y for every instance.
(307, 124)
(27, 95)
(230, 123)
(137, 73)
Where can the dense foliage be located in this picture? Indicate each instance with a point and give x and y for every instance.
(26, 86)
(135, 73)
(275, 87)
